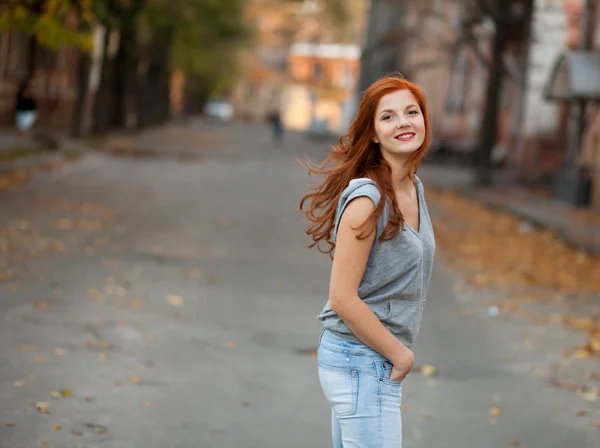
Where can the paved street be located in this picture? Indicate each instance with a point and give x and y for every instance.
(157, 302)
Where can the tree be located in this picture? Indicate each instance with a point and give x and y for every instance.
(49, 23)
(509, 18)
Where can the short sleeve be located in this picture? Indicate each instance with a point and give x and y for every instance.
(369, 190)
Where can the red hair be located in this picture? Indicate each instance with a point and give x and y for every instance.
(356, 156)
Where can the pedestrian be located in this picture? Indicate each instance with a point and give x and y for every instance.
(370, 210)
(274, 117)
(25, 107)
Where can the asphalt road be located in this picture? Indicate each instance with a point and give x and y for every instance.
(176, 301)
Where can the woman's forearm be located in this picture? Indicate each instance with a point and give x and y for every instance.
(367, 327)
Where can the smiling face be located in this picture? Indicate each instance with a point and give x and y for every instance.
(399, 124)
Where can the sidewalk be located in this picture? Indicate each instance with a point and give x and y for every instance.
(578, 227)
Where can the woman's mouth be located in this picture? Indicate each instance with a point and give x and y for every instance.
(405, 137)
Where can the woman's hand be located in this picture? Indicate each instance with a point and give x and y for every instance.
(402, 365)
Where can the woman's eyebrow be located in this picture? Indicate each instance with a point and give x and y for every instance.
(391, 111)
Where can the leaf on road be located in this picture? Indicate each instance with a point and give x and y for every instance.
(98, 429)
(55, 394)
(11, 424)
(231, 344)
(495, 410)
(57, 427)
(45, 442)
(146, 404)
(76, 432)
(27, 348)
(39, 358)
(581, 413)
(64, 224)
(19, 383)
(42, 406)
(514, 442)
(429, 370)
(174, 300)
(94, 294)
(493, 421)
(135, 379)
(60, 351)
(40, 304)
(66, 392)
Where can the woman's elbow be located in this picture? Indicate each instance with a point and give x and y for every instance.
(336, 301)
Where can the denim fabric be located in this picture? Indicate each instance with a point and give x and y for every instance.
(365, 402)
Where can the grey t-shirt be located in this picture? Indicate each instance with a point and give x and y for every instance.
(398, 271)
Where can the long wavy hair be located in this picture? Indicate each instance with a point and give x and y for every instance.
(357, 155)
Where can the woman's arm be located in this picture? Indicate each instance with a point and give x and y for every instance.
(349, 263)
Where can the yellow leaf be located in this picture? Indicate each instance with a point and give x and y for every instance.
(174, 300)
(495, 411)
(429, 370)
(60, 352)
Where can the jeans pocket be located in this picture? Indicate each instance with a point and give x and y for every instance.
(340, 387)
(386, 372)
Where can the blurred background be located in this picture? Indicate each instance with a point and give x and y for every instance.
(155, 283)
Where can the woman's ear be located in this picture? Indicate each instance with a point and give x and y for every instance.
(375, 140)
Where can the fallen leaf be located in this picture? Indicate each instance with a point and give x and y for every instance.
(60, 352)
(40, 358)
(76, 432)
(41, 406)
(598, 424)
(581, 413)
(11, 424)
(19, 383)
(174, 300)
(66, 392)
(45, 442)
(495, 410)
(146, 404)
(27, 348)
(514, 442)
(429, 370)
(57, 427)
(135, 379)
(493, 421)
(98, 429)
(55, 394)
(40, 304)
(231, 344)
(94, 294)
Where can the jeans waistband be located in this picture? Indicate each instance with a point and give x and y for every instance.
(335, 343)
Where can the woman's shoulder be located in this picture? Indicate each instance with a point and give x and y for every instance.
(362, 186)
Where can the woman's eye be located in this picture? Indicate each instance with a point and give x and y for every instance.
(413, 112)
(386, 117)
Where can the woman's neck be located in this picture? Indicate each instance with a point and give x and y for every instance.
(400, 174)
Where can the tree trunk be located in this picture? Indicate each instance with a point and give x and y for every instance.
(154, 100)
(101, 100)
(83, 71)
(489, 124)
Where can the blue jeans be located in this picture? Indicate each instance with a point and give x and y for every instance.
(365, 402)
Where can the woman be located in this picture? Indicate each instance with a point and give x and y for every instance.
(371, 209)
(25, 108)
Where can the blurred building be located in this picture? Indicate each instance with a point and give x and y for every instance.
(444, 45)
(319, 94)
(300, 65)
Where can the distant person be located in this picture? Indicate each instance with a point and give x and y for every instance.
(274, 117)
(25, 108)
(370, 210)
